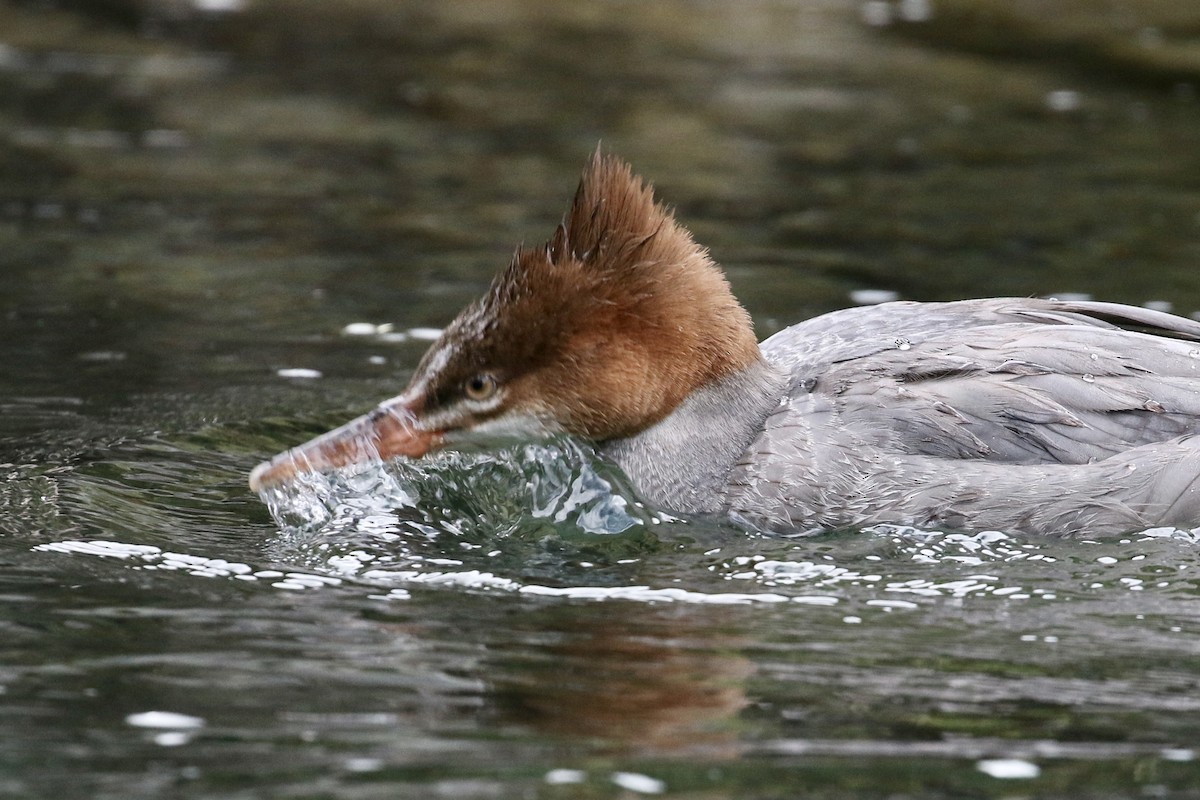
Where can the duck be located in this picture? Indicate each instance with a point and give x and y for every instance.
(1069, 417)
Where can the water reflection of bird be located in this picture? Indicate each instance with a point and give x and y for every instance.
(655, 682)
(1017, 414)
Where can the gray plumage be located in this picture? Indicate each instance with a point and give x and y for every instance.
(1025, 415)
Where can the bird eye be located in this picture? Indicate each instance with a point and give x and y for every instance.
(481, 386)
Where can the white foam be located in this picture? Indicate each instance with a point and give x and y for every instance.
(164, 720)
(360, 329)
(558, 777)
(300, 373)
(1009, 768)
(637, 782)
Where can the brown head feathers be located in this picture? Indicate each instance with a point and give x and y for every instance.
(607, 327)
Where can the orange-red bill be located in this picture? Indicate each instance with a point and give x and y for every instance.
(388, 431)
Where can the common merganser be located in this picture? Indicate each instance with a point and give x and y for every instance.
(1014, 414)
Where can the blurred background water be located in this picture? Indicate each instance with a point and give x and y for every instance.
(198, 197)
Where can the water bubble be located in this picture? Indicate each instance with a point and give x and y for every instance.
(876, 13)
(360, 329)
(636, 782)
(557, 777)
(164, 719)
(1009, 768)
(172, 738)
(916, 10)
(219, 6)
(300, 373)
(1063, 101)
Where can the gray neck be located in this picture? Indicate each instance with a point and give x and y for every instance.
(682, 462)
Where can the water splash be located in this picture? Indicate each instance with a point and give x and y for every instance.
(545, 512)
(463, 493)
